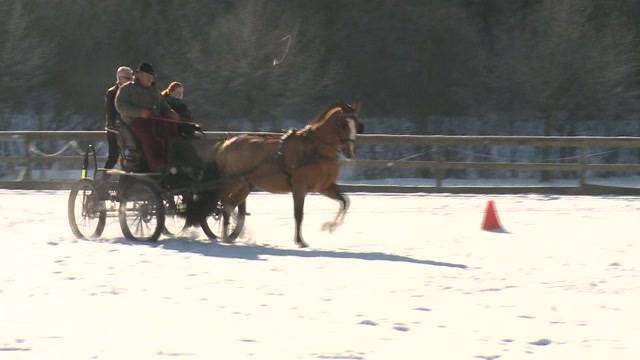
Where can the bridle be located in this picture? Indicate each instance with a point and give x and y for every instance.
(353, 129)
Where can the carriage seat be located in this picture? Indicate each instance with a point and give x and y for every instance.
(186, 153)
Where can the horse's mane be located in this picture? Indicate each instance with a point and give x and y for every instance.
(328, 112)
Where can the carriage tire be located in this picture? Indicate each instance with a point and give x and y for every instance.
(171, 233)
(172, 217)
(142, 205)
(87, 188)
(239, 214)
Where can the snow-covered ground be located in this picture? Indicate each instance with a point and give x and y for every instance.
(406, 277)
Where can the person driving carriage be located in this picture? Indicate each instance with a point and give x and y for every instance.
(142, 108)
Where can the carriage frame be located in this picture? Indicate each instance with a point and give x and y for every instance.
(149, 204)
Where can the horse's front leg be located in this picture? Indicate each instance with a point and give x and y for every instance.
(299, 194)
(334, 192)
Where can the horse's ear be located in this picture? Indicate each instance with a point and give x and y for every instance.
(356, 106)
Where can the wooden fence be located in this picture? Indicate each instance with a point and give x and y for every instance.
(438, 163)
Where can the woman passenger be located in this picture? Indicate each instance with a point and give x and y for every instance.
(173, 94)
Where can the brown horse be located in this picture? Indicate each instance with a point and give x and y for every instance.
(299, 162)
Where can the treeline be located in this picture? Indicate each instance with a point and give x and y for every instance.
(261, 60)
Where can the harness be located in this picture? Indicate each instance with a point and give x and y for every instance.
(308, 158)
(280, 154)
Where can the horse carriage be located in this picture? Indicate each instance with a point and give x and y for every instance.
(206, 182)
(149, 204)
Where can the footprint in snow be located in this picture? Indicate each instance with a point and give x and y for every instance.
(422, 309)
(10, 348)
(526, 317)
(541, 342)
(368, 322)
(400, 327)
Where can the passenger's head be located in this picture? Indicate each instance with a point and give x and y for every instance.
(145, 75)
(175, 89)
(124, 74)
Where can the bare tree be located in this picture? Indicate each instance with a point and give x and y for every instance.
(557, 58)
(23, 55)
(561, 61)
(256, 61)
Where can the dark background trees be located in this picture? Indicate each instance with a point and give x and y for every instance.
(559, 61)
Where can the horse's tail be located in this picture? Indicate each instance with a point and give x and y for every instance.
(200, 206)
(204, 202)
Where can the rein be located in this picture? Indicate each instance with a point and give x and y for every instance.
(160, 119)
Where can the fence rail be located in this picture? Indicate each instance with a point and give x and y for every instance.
(438, 144)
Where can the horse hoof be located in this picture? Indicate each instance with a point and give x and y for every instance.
(330, 227)
(302, 244)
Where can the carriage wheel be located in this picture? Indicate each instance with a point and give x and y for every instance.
(141, 212)
(212, 224)
(86, 215)
(174, 223)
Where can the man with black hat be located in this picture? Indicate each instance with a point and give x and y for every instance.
(141, 105)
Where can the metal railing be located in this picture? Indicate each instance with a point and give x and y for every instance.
(438, 163)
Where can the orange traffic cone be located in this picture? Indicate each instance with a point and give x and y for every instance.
(491, 221)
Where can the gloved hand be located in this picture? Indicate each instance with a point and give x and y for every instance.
(146, 113)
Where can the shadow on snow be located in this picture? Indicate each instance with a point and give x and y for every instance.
(258, 252)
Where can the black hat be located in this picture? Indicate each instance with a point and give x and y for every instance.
(146, 67)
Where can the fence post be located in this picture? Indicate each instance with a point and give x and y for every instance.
(28, 159)
(439, 170)
(582, 158)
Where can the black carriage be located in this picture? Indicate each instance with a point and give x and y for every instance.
(150, 204)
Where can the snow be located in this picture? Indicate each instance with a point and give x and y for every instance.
(405, 277)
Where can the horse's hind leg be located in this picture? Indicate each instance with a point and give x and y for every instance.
(334, 192)
(298, 212)
(225, 224)
(228, 205)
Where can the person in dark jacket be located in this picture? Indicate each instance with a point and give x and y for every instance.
(174, 95)
(124, 74)
(142, 108)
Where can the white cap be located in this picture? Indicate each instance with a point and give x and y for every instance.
(124, 69)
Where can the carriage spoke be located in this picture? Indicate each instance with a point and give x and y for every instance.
(138, 225)
(85, 218)
(213, 225)
(140, 215)
(174, 223)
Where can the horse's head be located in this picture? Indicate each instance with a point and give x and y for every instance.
(338, 125)
(348, 124)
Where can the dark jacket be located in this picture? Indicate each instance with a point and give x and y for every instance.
(112, 116)
(180, 107)
(132, 99)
